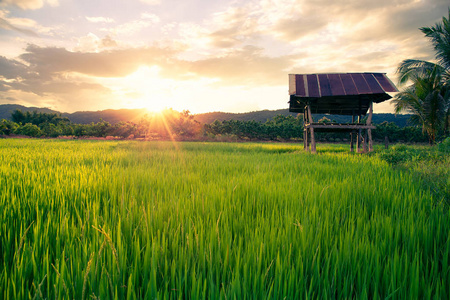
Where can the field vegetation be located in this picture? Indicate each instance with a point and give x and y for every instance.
(127, 220)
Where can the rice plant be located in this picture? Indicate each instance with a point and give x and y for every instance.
(146, 220)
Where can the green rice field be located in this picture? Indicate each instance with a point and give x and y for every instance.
(158, 220)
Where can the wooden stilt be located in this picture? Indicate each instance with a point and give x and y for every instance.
(305, 138)
(358, 141)
(352, 135)
(311, 130)
(313, 141)
(359, 138)
(365, 142)
(352, 141)
(305, 130)
(369, 122)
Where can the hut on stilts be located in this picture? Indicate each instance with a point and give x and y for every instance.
(351, 94)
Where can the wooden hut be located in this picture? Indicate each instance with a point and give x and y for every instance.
(350, 94)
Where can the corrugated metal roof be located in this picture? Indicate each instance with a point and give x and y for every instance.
(341, 84)
(338, 93)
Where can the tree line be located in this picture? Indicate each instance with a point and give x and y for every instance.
(157, 126)
(182, 126)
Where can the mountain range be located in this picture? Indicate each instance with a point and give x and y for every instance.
(117, 115)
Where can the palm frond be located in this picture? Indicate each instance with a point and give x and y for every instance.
(439, 34)
(411, 69)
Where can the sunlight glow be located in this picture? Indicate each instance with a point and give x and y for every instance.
(147, 90)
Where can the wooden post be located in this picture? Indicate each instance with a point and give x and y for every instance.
(386, 142)
(311, 130)
(369, 122)
(365, 144)
(305, 133)
(359, 136)
(305, 138)
(308, 140)
(352, 141)
(352, 135)
(308, 131)
(313, 141)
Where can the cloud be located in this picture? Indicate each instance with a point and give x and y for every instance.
(232, 27)
(25, 26)
(107, 42)
(8, 26)
(21, 25)
(62, 91)
(100, 20)
(69, 80)
(357, 19)
(92, 43)
(11, 69)
(293, 29)
(57, 71)
(30, 4)
(145, 21)
(113, 63)
(243, 67)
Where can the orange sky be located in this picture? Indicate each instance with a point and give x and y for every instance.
(234, 56)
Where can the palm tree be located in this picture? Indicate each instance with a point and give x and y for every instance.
(428, 98)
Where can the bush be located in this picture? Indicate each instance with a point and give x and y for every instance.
(399, 154)
(7, 127)
(50, 129)
(444, 146)
(29, 130)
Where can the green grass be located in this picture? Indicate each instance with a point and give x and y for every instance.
(429, 166)
(97, 219)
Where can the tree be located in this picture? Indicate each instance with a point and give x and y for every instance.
(123, 129)
(428, 98)
(7, 127)
(29, 130)
(183, 124)
(37, 118)
(50, 129)
(99, 129)
(18, 116)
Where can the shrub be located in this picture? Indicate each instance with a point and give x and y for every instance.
(7, 127)
(29, 130)
(444, 146)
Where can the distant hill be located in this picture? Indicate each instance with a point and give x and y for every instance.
(114, 116)
(7, 109)
(81, 117)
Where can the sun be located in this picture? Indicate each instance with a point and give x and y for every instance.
(146, 89)
(152, 105)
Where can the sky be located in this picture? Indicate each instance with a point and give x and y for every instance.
(198, 55)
